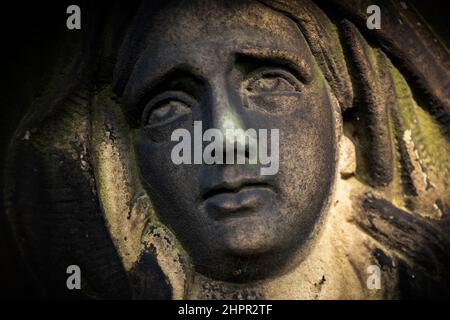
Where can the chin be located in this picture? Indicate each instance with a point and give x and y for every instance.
(249, 255)
(248, 236)
(251, 247)
(242, 264)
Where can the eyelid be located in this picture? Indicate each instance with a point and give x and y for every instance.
(280, 58)
(167, 95)
(280, 72)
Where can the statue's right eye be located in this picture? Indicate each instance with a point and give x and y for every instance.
(166, 108)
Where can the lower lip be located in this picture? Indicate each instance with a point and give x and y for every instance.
(233, 205)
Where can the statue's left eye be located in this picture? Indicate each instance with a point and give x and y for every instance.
(274, 91)
(272, 81)
(165, 109)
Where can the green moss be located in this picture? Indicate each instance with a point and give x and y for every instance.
(426, 133)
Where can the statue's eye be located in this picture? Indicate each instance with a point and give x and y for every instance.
(272, 81)
(274, 91)
(166, 108)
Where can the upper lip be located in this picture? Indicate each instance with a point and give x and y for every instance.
(233, 186)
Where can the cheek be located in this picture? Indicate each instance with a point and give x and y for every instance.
(307, 160)
(153, 159)
(169, 183)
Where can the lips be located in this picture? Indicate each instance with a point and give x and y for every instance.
(236, 199)
(233, 187)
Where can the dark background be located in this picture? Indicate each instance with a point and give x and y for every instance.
(31, 34)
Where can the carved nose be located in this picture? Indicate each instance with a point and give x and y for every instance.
(226, 119)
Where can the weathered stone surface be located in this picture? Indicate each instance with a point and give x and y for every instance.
(364, 173)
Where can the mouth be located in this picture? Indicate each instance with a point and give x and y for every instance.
(227, 200)
(228, 188)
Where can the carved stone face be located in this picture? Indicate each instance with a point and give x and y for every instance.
(245, 64)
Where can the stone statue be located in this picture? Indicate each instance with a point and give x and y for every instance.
(364, 156)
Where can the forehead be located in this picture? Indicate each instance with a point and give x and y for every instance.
(208, 22)
(206, 35)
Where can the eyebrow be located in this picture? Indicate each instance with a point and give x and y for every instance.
(284, 58)
(159, 77)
